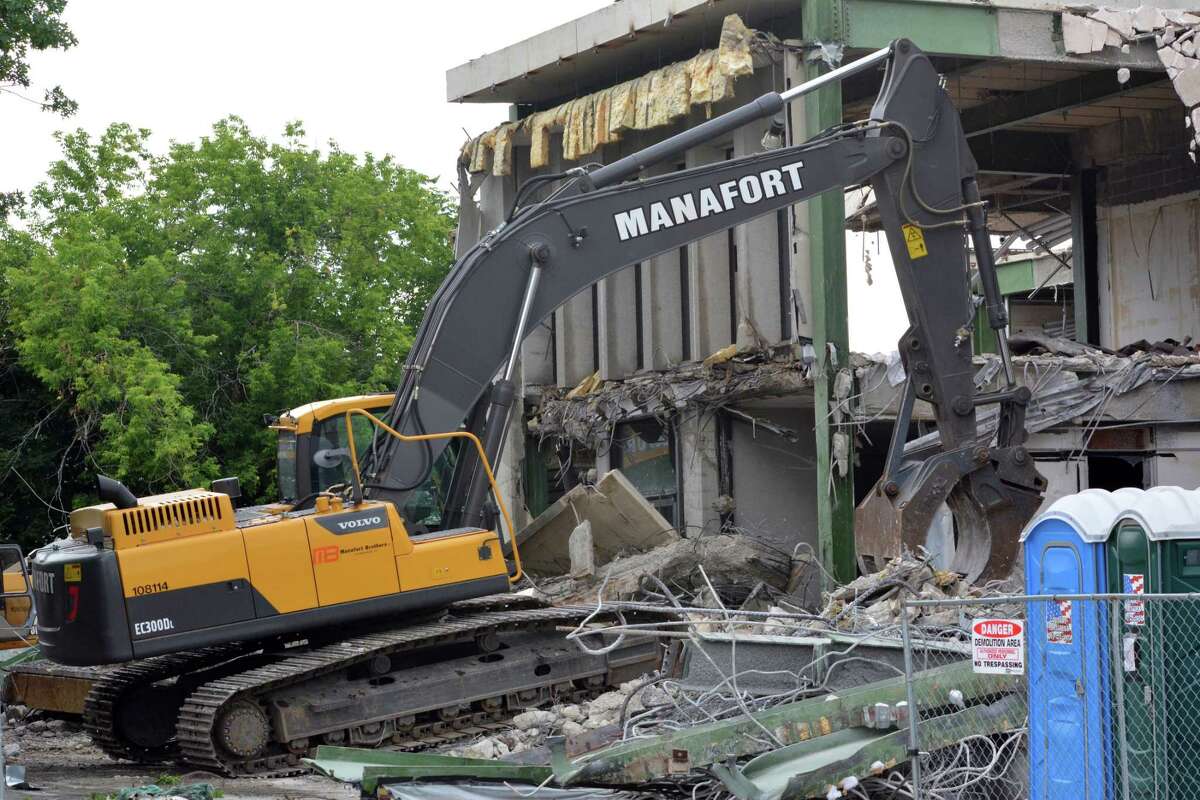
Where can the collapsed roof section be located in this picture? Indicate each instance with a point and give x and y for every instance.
(1072, 384)
(588, 414)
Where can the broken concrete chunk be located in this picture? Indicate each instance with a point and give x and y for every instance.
(534, 718)
(1123, 75)
(735, 560)
(1183, 18)
(1082, 35)
(1194, 116)
(1120, 21)
(1170, 57)
(1187, 86)
(582, 551)
(1148, 18)
(621, 521)
(1188, 48)
(609, 701)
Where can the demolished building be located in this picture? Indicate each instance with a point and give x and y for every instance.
(719, 378)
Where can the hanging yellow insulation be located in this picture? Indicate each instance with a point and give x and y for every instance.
(655, 99)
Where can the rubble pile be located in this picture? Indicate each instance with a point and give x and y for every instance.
(733, 560)
(588, 413)
(875, 601)
(23, 726)
(824, 655)
(531, 729)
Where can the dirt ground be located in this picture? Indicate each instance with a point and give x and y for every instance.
(61, 763)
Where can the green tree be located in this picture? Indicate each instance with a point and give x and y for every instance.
(165, 303)
(27, 25)
(33, 25)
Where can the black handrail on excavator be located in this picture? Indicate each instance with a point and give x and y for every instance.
(912, 152)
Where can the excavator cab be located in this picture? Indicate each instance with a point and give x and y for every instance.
(16, 599)
(313, 449)
(314, 453)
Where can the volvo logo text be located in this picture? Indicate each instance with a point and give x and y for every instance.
(362, 522)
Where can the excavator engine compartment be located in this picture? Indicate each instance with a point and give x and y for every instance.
(184, 570)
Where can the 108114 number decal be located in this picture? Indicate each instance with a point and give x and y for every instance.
(150, 588)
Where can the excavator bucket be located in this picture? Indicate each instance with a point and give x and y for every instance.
(991, 495)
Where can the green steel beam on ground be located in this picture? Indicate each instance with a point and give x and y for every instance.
(936, 27)
(821, 21)
(639, 760)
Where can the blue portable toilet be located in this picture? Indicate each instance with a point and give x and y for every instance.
(1069, 688)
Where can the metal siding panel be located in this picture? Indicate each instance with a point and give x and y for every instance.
(934, 27)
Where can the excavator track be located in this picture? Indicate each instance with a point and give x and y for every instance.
(103, 707)
(225, 725)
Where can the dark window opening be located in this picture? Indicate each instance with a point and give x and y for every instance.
(1113, 471)
(685, 303)
(645, 452)
(637, 310)
(725, 468)
(550, 470)
(731, 246)
(871, 455)
(595, 327)
(785, 275)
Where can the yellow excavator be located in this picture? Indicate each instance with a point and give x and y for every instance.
(380, 611)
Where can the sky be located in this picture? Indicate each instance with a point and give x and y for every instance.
(370, 75)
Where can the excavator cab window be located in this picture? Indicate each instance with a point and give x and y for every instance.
(329, 459)
(286, 464)
(426, 506)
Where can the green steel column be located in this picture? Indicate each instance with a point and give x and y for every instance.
(821, 22)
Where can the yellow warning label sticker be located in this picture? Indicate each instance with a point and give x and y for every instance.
(914, 238)
(72, 573)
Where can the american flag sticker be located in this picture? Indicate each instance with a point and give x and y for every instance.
(1058, 622)
(1135, 610)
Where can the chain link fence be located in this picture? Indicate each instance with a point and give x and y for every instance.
(1095, 697)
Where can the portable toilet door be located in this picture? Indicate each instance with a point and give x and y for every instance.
(1069, 723)
(1139, 739)
(1156, 549)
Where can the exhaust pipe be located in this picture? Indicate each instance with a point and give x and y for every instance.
(114, 492)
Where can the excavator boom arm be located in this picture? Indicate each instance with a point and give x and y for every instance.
(913, 153)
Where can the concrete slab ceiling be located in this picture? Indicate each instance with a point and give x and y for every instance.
(628, 38)
(613, 44)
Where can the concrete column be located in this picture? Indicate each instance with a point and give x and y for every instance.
(758, 259)
(618, 326)
(800, 302)
(510, 476)
(470, 219)
(560, 358)
(710, 264)
(573, 334)
(537, 356)
(697, 465)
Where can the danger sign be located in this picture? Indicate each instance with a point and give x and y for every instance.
(1135, 610)
(998, 646)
